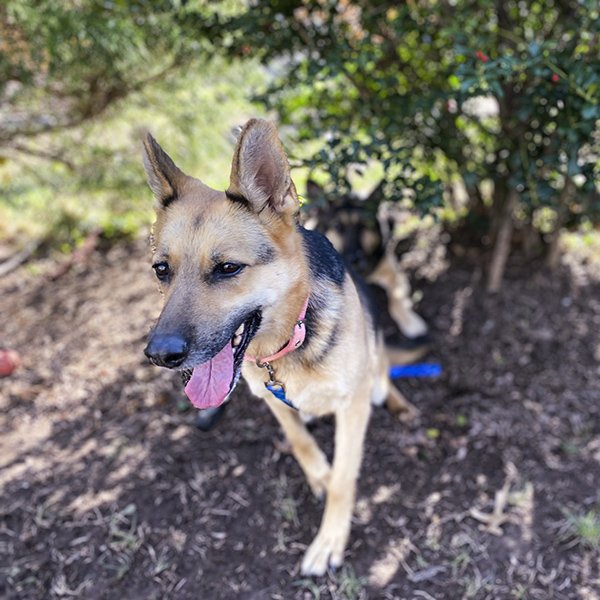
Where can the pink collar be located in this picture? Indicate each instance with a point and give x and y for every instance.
(294, 342)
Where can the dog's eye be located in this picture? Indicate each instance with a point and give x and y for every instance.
(162, 270)
(228, 269)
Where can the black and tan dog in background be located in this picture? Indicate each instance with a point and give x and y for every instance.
(241, 278)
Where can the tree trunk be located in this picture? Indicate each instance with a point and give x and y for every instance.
(500, 198)
(502, 245)
(553, 251)
(530, 241)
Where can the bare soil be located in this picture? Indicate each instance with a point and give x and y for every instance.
(109, 491)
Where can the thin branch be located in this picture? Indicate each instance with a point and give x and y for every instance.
(52, 156)
(94, 106)
(79, 256)
(18, 259)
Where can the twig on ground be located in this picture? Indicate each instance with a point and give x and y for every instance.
(79, 256)
(18, 259)
(492, 522)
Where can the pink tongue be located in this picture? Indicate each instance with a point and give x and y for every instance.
(210, 381)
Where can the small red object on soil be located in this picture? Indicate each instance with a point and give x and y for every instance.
(555, 78)
(482, 56)
(9, 361)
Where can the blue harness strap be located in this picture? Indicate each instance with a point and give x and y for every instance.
(416, 370)
(279, 392)
(396, 372)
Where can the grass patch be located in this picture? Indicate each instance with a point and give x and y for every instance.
(350, 585)
(343, 585)
(585, 528)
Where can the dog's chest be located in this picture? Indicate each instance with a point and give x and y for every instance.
(310, 394)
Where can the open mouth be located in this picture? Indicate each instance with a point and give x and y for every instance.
(211, 383)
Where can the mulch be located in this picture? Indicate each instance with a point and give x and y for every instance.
(108, 490)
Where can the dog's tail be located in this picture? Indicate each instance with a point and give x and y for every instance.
(405, 355)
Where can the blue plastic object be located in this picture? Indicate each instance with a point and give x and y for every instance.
(416, 370)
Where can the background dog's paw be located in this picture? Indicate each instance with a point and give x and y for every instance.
(206, 419)
(399, 406)
(325, 551)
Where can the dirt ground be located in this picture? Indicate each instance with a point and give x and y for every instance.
(108, 490)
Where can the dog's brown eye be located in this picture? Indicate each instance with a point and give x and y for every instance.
(228, 269)
(162, 270)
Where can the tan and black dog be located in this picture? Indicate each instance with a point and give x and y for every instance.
(241, 278)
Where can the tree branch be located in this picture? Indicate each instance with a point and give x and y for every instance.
(97, 102)
(52, 156)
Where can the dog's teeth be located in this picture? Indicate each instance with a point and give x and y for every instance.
(236, 340)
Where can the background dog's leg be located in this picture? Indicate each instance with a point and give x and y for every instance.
(304, 447)
(389, 275)
(328, 547)
(386, 391)
(398, 405)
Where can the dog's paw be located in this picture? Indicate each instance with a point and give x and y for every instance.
(327, 550)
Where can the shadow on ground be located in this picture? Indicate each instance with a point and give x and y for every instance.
(108, 491)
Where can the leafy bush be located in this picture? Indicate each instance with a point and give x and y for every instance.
(99, 182)
(501, 98)
(79, 81)
(484, 111)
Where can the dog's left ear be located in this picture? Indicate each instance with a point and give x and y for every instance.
(165, 178)
(260, 172)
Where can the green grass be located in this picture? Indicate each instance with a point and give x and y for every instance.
(585, 528)
(351, 586)
(342, 585)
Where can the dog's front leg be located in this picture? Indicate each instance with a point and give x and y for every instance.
(329, 545)
(304, 447)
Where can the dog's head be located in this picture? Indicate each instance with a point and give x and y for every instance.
(229, 263)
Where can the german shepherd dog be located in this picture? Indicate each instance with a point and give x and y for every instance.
(249, 291)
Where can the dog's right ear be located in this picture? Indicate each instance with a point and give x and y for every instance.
(164, 176)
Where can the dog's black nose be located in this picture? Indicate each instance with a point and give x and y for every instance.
(166, 350)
